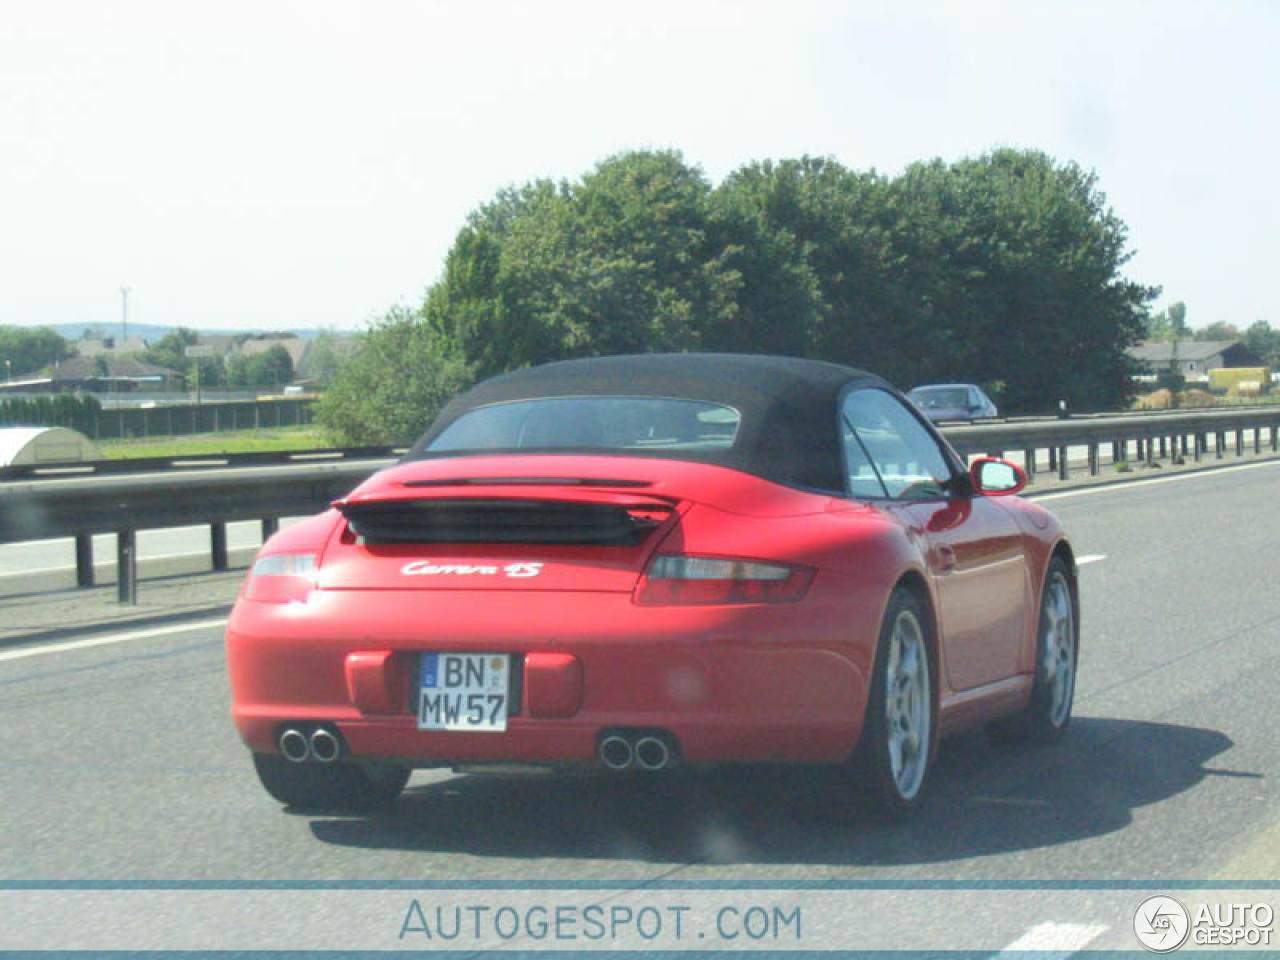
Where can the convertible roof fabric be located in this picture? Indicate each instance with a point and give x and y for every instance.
(789, 431)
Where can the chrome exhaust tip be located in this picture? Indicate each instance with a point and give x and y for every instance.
(294, 745)
(616, 752)
(325, 746)
(652, 753)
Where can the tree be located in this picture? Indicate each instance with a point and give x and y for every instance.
(403, 374)
(1263, 341)
(170, 351)
(1169, 324)
(270, 368)
(30, 349)
(1219, 330)
(1026, 277)
(322, 360)
(619, 262)
(800, 236)
(1001, 269)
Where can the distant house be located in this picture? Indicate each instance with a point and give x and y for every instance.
(112, 375)
(1194, 358)
(109, 346)
(222, 344)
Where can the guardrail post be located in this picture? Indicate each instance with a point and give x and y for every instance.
(1062, 463)
(1239, 441)
(127, 566)
(1029, 464)
(1275, 439)
(1257, 439)
(1219, 443)
(218, 545)
(1093, 460)
(1151, 452)
(269, 527)
(1053, 458)
(1201, 444)
(84, 560)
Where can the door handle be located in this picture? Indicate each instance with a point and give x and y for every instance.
(946, 560)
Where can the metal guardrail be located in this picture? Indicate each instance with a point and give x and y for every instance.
(81, 507)
(39, 471)
(45, 502)
(1165, 435)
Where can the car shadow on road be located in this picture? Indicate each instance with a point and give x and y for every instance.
(985, 799)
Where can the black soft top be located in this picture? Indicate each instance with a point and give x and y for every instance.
(789, 432)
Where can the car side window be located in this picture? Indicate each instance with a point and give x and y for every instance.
(862, 479)
(888, 453)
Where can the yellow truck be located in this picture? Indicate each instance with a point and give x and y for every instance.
(1240, 381)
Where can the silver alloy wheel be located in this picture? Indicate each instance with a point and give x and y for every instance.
(1057, 626)
(907, 705)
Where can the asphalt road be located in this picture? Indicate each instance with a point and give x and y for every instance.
(118, 761)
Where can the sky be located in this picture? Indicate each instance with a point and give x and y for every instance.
(271, 165)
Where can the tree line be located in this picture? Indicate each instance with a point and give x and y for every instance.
(1003, 270)
(63, 410)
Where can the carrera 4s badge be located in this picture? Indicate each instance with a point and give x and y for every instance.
(422, 568)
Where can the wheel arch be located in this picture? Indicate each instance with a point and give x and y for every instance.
(914, 582)
(1062, 550)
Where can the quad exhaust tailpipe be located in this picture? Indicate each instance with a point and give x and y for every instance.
(294, 745)
(325, 747)
(622, 750)
(616, 752)
(320, 745)
(652, 753)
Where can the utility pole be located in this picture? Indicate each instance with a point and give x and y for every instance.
(124, 323)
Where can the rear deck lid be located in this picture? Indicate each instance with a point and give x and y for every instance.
(507, 533)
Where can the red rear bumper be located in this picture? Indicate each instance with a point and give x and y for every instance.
(763, 683)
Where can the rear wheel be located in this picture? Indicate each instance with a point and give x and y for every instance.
(341, 786)
(1046, 717)
(891, 763)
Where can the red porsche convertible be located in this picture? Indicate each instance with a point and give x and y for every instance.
(632, 563)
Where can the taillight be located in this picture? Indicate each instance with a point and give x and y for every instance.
(676, 579)
(282, 578)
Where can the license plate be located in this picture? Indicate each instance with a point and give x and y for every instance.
(464, 691)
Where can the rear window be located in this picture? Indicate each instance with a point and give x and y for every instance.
(941, 398)
(598, 423)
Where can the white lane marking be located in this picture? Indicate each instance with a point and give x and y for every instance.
(1090, 558)
(1062, 939)
(107, 639)
(1140, 484)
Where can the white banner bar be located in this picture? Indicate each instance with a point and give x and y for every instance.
(1048, 921)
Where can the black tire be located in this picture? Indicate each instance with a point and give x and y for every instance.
(1046, 718)
(891, 763)
(341, 786)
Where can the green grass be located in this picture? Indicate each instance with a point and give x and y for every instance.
(206, 444)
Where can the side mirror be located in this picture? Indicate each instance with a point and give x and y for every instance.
(997, 478)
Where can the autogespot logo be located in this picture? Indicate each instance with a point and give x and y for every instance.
(1161, 924)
